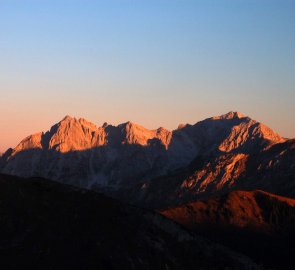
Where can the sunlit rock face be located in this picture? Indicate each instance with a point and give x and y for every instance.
(225, 170)
(78, 152)
(68, 135)
(270, 169)
(136, 134)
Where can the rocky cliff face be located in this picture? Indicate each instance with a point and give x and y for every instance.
(270, 169)
(73, 134)
(77, 152)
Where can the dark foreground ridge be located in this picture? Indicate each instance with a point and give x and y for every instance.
(46, 225)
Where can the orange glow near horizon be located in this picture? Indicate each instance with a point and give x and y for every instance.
(21, 124)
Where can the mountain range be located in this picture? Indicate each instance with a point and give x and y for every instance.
(123, 189)
(136, 164)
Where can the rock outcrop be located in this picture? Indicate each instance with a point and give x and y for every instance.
(271, 169)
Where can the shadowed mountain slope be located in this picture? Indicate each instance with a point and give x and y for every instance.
(46, 225)
(257, 223)
(271, 169)
(253, 210)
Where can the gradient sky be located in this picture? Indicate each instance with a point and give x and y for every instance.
(157, 63)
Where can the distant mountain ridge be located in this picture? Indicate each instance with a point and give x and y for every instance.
(129, 156)
(72, 134)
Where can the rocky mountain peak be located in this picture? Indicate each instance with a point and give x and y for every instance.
(229, 115)
(181, 126)
(105, 124)
(30, 142)
(137, 134)
(67, 118)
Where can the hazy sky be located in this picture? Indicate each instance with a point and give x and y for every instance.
(157, 63)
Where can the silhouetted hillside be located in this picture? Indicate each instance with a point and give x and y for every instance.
(46, 225)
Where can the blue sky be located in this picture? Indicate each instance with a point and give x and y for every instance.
(151, 62)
